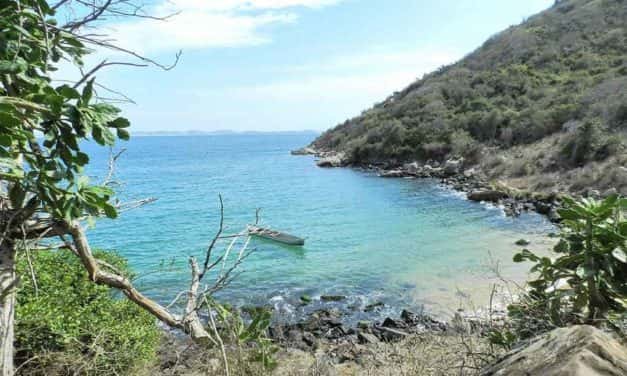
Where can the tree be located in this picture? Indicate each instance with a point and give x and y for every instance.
(43, 192)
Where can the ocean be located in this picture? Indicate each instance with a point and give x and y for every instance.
(408, 243)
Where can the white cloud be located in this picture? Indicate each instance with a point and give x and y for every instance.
(320, 95)
(209, 23)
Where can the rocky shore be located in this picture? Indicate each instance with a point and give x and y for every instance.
(455, 174)
(325, 327)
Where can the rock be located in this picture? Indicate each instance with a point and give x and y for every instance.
(336, 332)
(363, 324)
(367, 338)
(294, 336)
(394, 323)
(522, 242)
(332, 298)
(610, 192)
(453, 166)
(332, 160)
(412, 168)
(470, 172)
(554, 216)
(543, 207)
(392, 174)
(486, 195)
(304, 151)
(580, 350)
(373, 306)
(310, 340)
(389, 334)
(422, 321)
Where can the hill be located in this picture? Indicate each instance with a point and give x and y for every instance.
(541, 106)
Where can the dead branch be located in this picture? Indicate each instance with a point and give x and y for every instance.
(214, 240)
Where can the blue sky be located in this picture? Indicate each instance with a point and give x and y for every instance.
(274, 65)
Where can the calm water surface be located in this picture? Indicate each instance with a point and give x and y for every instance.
(404, 242)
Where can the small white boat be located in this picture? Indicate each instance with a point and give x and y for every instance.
(277, 236)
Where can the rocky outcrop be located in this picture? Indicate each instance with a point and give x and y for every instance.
(453, 166)
(332, 160)
(325, 326)
(487, 195)
(576, 351)
(304, 151)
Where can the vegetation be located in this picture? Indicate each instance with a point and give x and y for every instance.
(586, 283)
(45, 194)
(66, 324)
(553, 85)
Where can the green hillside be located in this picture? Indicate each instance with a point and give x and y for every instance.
(542, 105)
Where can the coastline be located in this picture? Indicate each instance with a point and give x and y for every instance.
(453, 174)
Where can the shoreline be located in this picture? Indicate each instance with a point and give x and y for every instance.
(453, 174)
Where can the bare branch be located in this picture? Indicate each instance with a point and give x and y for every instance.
(101, 65)
(93, 16)
(57, 5)
(214, 240)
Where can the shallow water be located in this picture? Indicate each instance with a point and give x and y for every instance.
(404, 242)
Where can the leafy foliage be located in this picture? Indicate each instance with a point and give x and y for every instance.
(253, 332)
(585, 283)
(31, 105)
(560, 74)
(65, 322)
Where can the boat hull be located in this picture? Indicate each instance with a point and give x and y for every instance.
(276, 236)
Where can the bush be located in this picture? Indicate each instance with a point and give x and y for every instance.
(586, 283)
(65, 323)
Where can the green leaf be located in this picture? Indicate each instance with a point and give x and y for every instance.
(81, 158)
(12, 67)
(123, 134)
(110, 211)
(569, 214)
(120, 123)
(9, 120)
(88, 92)
(68, 92)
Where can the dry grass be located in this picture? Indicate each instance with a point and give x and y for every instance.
(538, 167)
(422, 354)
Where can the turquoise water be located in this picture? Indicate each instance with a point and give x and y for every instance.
(404, 242)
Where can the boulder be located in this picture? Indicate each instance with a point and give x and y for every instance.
(429, 171)
(543, 207)
(412, 168)
(394, 323)
(486, 195)
(580, 350)
(371, 307)
(453, 166)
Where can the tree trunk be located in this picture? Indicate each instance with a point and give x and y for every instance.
(8, 283)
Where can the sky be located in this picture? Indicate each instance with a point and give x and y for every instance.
(279, 65)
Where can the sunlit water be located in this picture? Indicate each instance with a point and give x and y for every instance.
(403, 242)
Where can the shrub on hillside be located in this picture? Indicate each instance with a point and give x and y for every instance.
(586, 283)
(66, 324)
